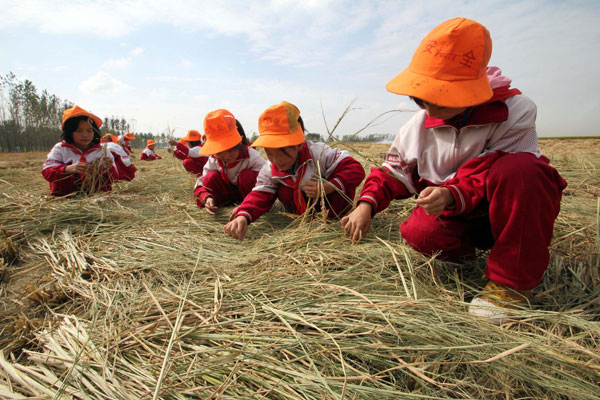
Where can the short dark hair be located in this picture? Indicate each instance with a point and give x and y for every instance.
(301, 123)
(71, 126)
(240, 130)
(195, 143)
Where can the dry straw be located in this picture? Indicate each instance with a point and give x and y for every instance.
(156, 302)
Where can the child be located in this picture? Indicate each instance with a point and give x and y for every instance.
(148, 154)
(188, 150)
(298, 170)
(471, 157)
(124, 141)
(231, 171)
(70, 165)
(125, 169)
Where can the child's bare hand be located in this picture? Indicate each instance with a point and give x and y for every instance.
(170, 150)
(107, 162)
(232, 213)
(237, 227)
(77, 168)
(173, 142)
(435, 199)
(313, 188)
(210, 206)
(357, 223)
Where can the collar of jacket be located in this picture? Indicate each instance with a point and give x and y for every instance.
(76, 149)
(243, 154)
(303, 157)
(492, 111)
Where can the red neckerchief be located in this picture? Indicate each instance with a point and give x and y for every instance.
(303, 158)
(241, 156)
(492, 111)
(82, 154)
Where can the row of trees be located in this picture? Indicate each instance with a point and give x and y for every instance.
(31, 121)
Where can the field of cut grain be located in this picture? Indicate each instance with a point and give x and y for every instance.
(139, 295)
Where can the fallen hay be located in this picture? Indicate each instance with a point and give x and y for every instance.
(144, 297)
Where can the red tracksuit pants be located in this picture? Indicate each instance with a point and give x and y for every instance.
(338, 205)
(516, 220)
(226, 193)
(195, 165)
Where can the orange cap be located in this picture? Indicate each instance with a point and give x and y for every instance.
(221, 132)
(108, 138)
(449, 67)
(278, 126)
(77, 111)
(129, 136)
(150, 142)
(192, 136)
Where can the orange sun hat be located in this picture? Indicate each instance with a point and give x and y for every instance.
(221, 132)
(278, 127)
(109, 138)
(150, 142)
(192, 136)
(77, 111)
(449, 67)
(129, 136)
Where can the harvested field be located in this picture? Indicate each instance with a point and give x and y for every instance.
(139, 295)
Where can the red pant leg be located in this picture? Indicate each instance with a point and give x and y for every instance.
(223, 192)
(524, 195)
(246, 181)
(436, 234)
(195, 165)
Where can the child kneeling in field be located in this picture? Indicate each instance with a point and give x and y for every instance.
(79, 163)
(125, 168)
(231, 170)
(148, 154)
(298, 170)
(188, 150)
(472, 158)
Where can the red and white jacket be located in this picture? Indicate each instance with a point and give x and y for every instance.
(429, 151)
(149, 155)
(183, 151)
(124, 142)
(64, 154)
(248, 158)
(125, 168)
(315, 159)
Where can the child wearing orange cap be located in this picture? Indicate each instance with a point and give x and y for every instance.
(125, 168)
(232, 168)
(68, 164)
(148, 154)
(298, 170)
(188, 150)
(125, 142)
(472, 159)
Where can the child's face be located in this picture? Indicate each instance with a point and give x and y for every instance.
(83, 135)
(435, 111)
(228, 156)
(283, 158)
(151, 147)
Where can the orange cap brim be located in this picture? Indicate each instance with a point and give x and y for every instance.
(276, 140)
(464, 93)
(226, 143)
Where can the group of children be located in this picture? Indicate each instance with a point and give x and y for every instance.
(470, 157)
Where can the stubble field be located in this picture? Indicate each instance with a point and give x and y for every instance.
(139, 294)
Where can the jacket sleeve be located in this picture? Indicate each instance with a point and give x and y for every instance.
(261, 198)
(55, 173)
(468, 185)
(381, 187)
(143, 156)
(347, 175)
(255, 204)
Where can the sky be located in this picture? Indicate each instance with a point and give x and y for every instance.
(163, 65)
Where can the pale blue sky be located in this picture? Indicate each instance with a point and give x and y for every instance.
(168, 63)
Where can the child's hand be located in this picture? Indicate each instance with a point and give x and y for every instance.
(313, 188)
(77, 168)
(173, 142)
(435, 199)
(232, 213)
(170, 150)
(357, 223)
(237, 227)
(210, 206)
(107, 162)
